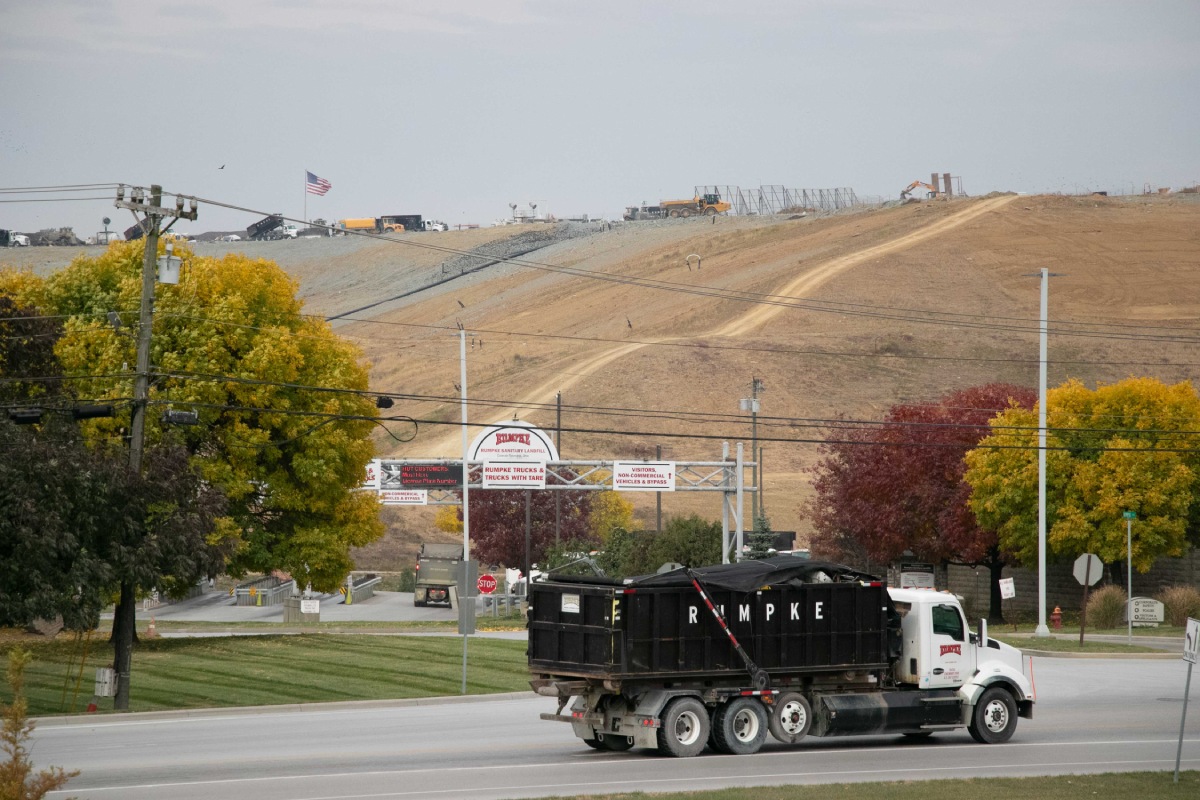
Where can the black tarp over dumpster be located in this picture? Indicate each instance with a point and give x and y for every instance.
(790, 615)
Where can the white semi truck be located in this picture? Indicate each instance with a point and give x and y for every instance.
(721, 655)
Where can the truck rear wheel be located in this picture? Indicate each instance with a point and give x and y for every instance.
(994, 718)
(791, 717)
(675, 213)
(687, 212)
(740, 726)
(684, 730)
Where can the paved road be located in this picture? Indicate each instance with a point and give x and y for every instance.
(1092, 716)
(218, 607)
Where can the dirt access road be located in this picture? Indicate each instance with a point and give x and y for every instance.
(755, 317)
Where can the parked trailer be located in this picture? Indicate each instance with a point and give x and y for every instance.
(721, 655)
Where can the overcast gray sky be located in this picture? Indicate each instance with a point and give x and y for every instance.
(455, 108)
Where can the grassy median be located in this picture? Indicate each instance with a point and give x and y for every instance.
(268, 670)
(1142, 785)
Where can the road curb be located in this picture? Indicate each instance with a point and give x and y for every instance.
(342, 705)
(1058, 654)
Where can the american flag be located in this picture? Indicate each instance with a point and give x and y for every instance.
(315, 185)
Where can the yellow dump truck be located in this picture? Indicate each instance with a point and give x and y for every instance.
(361, 224)
(706, 204)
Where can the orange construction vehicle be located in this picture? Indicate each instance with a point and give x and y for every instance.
(907, 191)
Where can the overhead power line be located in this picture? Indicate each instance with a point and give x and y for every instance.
(930, 316)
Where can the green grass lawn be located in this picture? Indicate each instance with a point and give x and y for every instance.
(267, 670)
(1066, 643)
(509, 622)
(1142, 785)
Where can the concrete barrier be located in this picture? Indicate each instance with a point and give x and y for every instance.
(360, 588)
(265, 591)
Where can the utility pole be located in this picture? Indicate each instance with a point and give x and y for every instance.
(751, 404)
(151, 206)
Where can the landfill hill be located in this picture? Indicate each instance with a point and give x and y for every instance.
(839, 315)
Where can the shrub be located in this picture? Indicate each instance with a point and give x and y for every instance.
(1106, 607)
(17, 777)
(1179, 603)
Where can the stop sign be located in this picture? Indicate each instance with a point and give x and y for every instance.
(486, 583)
(1088, 567)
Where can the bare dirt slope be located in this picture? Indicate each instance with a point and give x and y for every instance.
(839, 315)
(680, 352)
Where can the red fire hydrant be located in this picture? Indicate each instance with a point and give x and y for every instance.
(1056, 618)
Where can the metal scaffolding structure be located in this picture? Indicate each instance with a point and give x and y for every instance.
(778, 199)
(726, 476)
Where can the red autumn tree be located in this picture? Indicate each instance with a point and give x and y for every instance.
(498, 523)
(897, 486)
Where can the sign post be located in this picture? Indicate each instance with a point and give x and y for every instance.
(1086, 566)
(1191, 651)
(1008, 590)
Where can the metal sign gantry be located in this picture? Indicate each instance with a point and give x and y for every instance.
(726, 476)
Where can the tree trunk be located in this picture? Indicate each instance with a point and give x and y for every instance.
(122, 639)
(995, 608)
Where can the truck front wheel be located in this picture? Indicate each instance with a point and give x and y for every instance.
(684, 730)
(740, 726)
(791, 717)
(994, 718)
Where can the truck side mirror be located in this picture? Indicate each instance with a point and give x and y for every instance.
(982, 639)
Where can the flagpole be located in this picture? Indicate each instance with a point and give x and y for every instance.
(306, 198)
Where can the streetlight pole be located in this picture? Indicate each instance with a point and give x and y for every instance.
(1042, 630)
(1045, 275)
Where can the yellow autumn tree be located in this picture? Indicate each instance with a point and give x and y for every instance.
(284, 424)
(609, 511)
(1129, 446)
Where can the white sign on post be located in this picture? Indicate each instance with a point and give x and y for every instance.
(512, 441)
(310, 606)
(514, 475)
(1191, 641)
(371, 480)
(1008, 589)
(404, 497)
(644, 476)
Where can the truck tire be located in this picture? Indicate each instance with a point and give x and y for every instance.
(710, 212)
(994, 718)
(614, 742)
(790, 718)
(740, 726)
(684, 730)
(687, 212)
(675, 213)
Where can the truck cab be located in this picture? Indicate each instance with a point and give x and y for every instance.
(939, 651)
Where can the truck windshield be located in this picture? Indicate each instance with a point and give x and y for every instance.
(948, 622)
